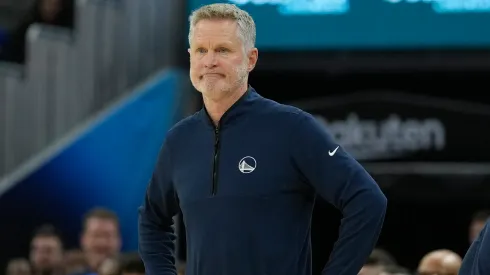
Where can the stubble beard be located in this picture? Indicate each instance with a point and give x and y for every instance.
(212, 89)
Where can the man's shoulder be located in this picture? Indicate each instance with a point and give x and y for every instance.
(184, 126)
(476, 261)
(282, 110)
(291, 116)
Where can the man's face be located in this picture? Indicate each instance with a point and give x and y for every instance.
(218, 62)
(475, 228)
(101, 239)
(46, 253)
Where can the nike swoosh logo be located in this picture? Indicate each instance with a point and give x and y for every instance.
(333, 152)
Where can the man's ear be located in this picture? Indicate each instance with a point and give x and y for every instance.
(253, 56)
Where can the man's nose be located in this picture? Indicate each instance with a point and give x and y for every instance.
(210, 60)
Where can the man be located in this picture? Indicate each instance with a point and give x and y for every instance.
(477, 258)
(101, 238)
(132, 265)
(377, 262)
(74, 262)
(477, 223)
(46, 254)
(442, 261)
(245, 170)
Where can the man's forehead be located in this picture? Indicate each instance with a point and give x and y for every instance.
(215, 27)
(96, 222)
(100, 220)
(52, 240)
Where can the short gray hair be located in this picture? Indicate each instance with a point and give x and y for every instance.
(245, 22)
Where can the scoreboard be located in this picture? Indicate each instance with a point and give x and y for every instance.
(367, 24)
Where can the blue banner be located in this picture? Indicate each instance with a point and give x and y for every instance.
(108, 165)
(367, 24)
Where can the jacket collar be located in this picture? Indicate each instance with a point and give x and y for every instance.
(237, 110)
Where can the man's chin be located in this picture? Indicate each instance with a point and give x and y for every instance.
(214, 92)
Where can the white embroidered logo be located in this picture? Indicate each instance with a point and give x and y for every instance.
(333, 152)
(247, 165)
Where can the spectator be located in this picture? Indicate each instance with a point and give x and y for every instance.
(18, 267)
(101, 238)
(376, 262)
(132, 265)
(52, 12)
(46, 253)
(477, 223)
(441, 261)
(74, 262)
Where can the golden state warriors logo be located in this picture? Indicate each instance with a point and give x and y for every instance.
(247, 165)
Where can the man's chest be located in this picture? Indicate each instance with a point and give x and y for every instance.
(236, 164)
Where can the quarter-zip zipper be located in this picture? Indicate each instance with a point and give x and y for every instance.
(215, 161)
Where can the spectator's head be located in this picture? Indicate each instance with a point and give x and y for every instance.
(477, 223)
(46, 253)
(74, 262)
(49, 9)
(101, 237)
(443, 261)
(222, 50)
(18, 267)
(52, 12)
(376, 262)
(132, 265)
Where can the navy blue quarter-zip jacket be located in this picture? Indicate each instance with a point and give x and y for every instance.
(246, 189)
(477, 258)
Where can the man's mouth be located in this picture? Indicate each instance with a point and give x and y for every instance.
(212, 75)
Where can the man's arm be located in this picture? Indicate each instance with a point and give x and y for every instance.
(156, 232)
(343, 182)
(477, 258)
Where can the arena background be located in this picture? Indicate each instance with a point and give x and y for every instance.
(405, 96)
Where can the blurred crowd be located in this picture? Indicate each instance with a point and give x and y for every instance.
(437, 262)
(99, 252)
(58, 13)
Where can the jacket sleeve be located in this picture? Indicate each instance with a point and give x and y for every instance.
(155, 228)
(477, 258)
(343, 182)
(484, 252)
